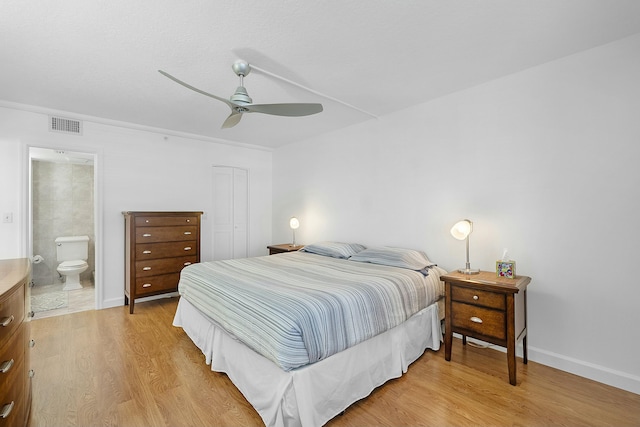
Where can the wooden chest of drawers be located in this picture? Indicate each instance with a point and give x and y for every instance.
(158, 245)
(15, 376)
(489, 308)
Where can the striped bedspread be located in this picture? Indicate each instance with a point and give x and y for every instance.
(298, 308)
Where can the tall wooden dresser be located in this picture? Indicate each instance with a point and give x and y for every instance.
(158, 245)
(15, 376)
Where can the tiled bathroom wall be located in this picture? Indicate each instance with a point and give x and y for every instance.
(62, 200)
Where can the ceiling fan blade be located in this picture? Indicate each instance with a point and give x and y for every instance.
(188, 86)
(232, 120)
(291, 110)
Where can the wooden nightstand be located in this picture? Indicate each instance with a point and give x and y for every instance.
(285, 247)
(489, 308)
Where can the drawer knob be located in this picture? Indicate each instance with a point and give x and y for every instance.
(146, 235)
(146, 268)
(476, 297)
(188, 248)
(146, 285)
(146, 252)
(6, 365)
(6, 409)
(146, 220)
(475, 319)
(187, 232)
(187, 263)
(7, 321)
(188, 220)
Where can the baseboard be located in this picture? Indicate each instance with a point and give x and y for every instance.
(602, 374)
(113, 302)
(116, 302)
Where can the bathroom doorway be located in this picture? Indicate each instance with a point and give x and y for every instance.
(62, 199)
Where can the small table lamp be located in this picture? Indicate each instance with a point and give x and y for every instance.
(461, 231)
(294, 224)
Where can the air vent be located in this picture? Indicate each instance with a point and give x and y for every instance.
(61, 124)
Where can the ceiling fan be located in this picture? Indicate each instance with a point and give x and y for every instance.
(241, 103)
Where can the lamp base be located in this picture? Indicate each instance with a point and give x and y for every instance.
(468, 271)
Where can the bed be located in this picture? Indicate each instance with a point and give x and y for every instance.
(305, 334)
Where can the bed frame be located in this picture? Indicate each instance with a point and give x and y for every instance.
(313, 394)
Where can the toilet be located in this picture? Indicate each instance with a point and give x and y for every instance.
(72, 253)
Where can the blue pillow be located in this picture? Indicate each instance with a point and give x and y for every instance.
(334, 249)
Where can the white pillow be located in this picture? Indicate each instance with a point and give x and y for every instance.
(334, 249)
(395, 257)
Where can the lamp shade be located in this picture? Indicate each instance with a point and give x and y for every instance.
(294, 223)
(462, 229)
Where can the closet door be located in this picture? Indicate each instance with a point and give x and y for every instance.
(230, 212)
(240, 212)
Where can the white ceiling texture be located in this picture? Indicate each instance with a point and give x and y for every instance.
(360, 58)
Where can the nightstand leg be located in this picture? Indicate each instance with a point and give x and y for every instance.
(524, 339)
(511, 340)
(511, 361)
(448, 338)
(448, 333)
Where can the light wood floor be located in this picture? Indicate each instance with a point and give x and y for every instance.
(109, 368)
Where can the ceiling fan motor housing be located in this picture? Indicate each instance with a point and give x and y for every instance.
(241, 96)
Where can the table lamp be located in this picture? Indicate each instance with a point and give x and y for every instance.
(294, 224)
(461, 231)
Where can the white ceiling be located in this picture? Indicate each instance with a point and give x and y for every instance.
(100, 58)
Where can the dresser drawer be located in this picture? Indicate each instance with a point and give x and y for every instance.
(14, 392)
(158, 221)
(165, 234)
(166, 250)
(478, 297)
(154, 267)
(11, 312)
(11, 356)
(484, 321)
(154, 284)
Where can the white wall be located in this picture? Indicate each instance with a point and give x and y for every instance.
(136, 170)
(545, 162)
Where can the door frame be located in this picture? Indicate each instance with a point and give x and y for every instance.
(27, 208)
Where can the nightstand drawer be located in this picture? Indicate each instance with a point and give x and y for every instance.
(485, 321)
(478, 297)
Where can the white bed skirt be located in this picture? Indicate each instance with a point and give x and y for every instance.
(313, 394)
